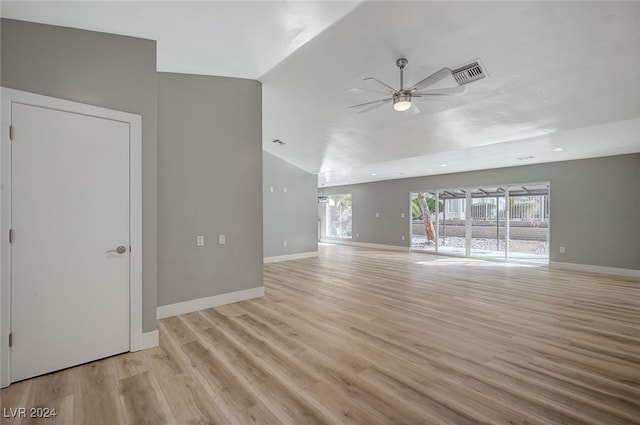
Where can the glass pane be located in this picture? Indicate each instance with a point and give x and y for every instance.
(452, 222)
(529, 223)
(488, 230)
(339, 216)
(423, 221)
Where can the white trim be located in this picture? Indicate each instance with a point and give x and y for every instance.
(367, 245)
(288, 257)
(204, 303)
(148, 340)
(137, 340)
(594, 269)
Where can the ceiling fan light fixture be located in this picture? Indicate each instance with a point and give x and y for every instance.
(401, 102)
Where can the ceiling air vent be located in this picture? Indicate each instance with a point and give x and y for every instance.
(470, 72)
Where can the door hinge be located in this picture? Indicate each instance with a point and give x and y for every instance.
(10, 235)
(10, 132)
(10, 340)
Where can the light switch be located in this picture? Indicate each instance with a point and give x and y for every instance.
(222, 239)
(377, 215)
(402, 215)
(285, 190)
(284, 243)
(200, 240)
(271, 189)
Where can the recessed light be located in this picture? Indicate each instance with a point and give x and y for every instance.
(557, 150)
(444, 165)
(524, 158)
(401, 173)
(373, 174)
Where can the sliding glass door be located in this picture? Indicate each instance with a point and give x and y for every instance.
(453, 223)
(509, 222)
(424, 218)
(529, 223)
(488, 224)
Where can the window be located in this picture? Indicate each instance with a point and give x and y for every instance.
(339, 216)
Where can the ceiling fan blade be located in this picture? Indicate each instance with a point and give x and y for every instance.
(385, 85)
(360, 90)
(432, 97)
(438, 80)
(380, 103)
(445, 91)
(414, 110)
(371, 103)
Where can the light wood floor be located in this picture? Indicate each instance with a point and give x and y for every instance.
(372, 337)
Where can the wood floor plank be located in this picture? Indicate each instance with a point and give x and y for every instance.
(340, 409)
(288, 406)
(278, 362)
(189, 401)
(96, 395)
(59, 412)
(142, 402)
(365, 336)
(255, 415)
(12, 398)
(128, 364)
(233, 396)
(240, 360)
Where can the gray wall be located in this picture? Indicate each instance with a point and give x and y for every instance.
(209, 183)
(99, 69)
(288, 216)
(594, 206)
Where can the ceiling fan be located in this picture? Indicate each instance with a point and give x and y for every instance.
(440, 83)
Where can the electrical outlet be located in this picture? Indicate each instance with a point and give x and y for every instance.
(271, 189)
(222, 239)
(377, 215)
(403, 237)
(562, 250)
(402, 215)
(285, 190)
(357, 235)
(200, 240)
(284, 243)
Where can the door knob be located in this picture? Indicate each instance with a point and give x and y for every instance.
(120, 250)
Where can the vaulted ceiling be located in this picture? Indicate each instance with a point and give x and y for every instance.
(561, 75)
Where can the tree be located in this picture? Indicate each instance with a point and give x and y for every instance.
(425, 213)
(416, 212)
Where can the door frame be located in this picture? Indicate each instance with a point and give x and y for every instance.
(10, 96)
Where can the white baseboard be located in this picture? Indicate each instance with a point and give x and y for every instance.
(594, 269)
(204, 303)
(142, 341)
(288, 257)
(150, 339)
(367, 245)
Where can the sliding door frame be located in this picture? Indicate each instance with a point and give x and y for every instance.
(468, 218)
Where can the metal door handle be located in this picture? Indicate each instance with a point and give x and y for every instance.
(119, 250)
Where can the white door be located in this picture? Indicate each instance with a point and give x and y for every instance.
(70, 207)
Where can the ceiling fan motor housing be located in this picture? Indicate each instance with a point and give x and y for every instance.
(402, 96)
(402, 100)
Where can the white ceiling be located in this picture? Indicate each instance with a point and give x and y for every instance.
(561, 74)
